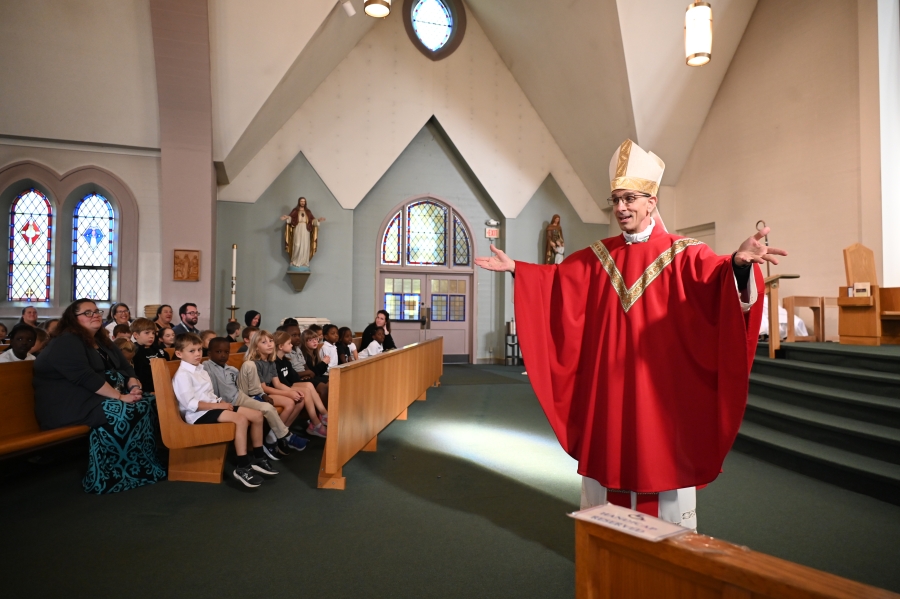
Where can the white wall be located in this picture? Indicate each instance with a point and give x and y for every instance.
(80, 71)
(140, 174)
(373, 104)
(782, 143)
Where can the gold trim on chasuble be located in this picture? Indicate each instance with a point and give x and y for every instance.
(628, 296)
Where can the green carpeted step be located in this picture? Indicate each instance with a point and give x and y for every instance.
(853, 379)
(883, 473)
(851, 404)
(865, 438)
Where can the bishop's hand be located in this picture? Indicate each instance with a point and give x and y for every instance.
(499, 262)
(754, 251)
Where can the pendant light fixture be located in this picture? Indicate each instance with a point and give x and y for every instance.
(378, 8)
(698, 34)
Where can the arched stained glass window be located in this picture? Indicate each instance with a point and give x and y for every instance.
(460, 243)
(93, 228)
(390, 244)
(30, 238)
(426, 232)
(432, 22)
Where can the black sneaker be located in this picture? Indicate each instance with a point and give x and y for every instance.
(247, 477)
(263, 465)
(271, 451)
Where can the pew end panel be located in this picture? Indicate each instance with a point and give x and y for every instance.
(19, 428)
(196, 453)
(367, 395)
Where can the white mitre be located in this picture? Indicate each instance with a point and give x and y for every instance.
(633, 168)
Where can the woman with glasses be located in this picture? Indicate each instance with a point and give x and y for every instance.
(118, 314)
(81, 377)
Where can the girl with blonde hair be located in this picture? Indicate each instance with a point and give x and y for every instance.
(258, 377)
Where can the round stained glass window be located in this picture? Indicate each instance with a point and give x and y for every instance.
(433, 23)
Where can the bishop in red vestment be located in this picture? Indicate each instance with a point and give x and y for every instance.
(639, 349)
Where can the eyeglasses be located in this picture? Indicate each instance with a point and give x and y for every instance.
(192, 313)
(628, 199)
(90, 313)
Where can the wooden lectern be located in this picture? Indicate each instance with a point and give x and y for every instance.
(774, 330)
(871, 320)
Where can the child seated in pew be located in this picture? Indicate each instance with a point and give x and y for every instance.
(316, 368)
(233, 328)
(143, 330)
(167, 338)
(122, 331)
(346, 349)
(246, 335)
(40, 343)
(198, 404)
(259, 369)
(377, 345)
(328, 347)
(225, 385)
(4, 332)
(21, 340)
(127, 348)
(207, 336)
(289, 377)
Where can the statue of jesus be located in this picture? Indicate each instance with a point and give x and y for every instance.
(301, 235)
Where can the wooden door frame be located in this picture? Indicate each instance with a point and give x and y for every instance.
(431, 270)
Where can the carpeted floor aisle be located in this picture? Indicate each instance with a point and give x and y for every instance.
(467, 498)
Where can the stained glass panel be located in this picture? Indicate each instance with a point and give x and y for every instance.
(432, 22)
(30, 238)
(392, 303)
(461, 243)
(93, 232)
(426, 232)
(411, 306)
(439, 308)
(390, 244)
(457, 308)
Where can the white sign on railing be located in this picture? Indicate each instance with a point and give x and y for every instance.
(630, 522)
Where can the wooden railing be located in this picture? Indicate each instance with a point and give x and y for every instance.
(367, 395)
(613, 565)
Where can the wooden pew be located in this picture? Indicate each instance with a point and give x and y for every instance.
(367, 395)
(19, 428)
(613, 565)
(196, 453)
(171, 352)
(235, 346)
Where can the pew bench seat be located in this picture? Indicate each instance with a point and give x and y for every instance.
(19, 428)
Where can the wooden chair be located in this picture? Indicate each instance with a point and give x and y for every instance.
(772, 285)
(816, 304)
(196, 453)
(19, 428)
(873, 320)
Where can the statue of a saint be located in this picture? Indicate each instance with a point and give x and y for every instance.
(555, 247)
(301, 235)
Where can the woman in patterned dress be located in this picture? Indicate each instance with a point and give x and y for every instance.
(81, 377)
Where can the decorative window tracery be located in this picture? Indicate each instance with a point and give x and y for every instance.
(93, 230)
(432, 22)
(460, 243)
(30, 245)
(426, 231)
(390, 243)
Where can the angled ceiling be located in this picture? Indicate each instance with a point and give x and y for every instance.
(594, 71)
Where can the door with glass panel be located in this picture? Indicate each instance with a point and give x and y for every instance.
(425, 276)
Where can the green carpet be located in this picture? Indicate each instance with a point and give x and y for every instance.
(467, 498)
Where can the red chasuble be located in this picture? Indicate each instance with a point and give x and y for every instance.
(640, 356)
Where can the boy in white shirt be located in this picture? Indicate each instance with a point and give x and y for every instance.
(21, 340)
(199, 405)
(330, 336)
(376, 346)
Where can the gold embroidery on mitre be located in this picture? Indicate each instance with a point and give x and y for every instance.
(635, 183)
(628, 296)
(624, 155)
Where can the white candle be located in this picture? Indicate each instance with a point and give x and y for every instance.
(233, 271)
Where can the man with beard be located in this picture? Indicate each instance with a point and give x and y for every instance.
(189, 317)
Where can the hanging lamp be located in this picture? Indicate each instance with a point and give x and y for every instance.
(378, 8)
(698, 34)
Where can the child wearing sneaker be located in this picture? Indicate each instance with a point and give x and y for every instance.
(225, 385)
(258, 376)
(289, 377)
(199, 405)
